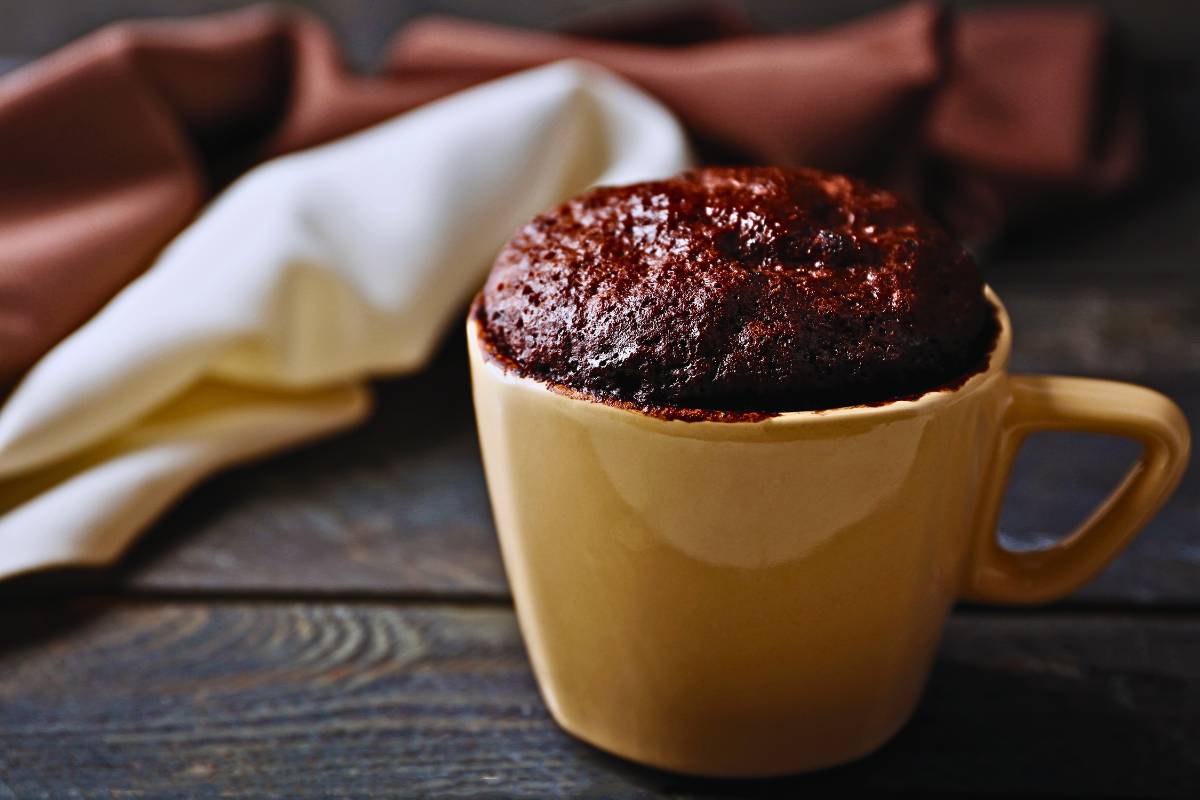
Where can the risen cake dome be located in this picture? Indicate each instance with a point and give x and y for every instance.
(738, 289)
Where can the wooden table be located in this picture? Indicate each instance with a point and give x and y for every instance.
(335, 622)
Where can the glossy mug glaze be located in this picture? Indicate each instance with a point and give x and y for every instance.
(762, 598)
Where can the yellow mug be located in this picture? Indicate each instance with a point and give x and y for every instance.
(763, 598)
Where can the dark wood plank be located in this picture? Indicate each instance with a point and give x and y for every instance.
(293, 701)
(399, 506)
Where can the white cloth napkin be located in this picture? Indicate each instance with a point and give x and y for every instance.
(256, 327)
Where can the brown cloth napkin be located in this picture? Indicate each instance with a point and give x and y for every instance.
(109, 146)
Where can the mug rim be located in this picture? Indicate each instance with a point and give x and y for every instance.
(929, 401)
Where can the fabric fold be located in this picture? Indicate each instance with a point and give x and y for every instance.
(110, 146)
(256, 327)
(832, 98)
(146, 340)
(988, 117)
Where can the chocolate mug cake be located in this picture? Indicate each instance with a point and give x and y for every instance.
(760, 588)
(735, 290)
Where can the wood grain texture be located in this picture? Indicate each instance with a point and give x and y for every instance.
(268, 698)
(366, 700)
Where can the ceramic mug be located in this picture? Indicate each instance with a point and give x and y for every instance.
(762, 598)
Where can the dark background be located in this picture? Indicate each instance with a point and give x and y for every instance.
(1151, 235)
(335, 622)
(1170, 29)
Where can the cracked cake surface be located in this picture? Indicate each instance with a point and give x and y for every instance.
(756, 289)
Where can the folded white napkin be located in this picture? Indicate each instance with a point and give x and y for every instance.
(257, 326)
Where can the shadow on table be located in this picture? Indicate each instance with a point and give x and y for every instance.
(36, 614)
(980, 731)
(396, 506)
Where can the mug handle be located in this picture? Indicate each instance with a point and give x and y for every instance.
(1048, 402)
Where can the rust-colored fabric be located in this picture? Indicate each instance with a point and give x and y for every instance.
(834, 98)
(110, 146)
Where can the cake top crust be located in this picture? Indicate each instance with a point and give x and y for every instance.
(753, 289)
